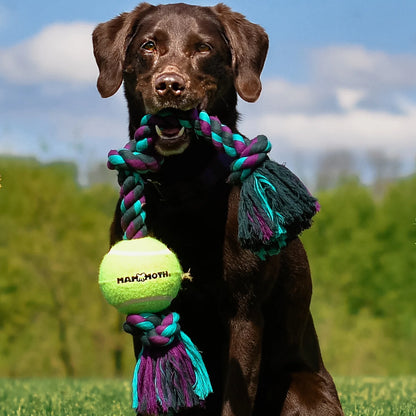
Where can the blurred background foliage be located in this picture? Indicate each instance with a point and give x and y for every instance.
(53, 234)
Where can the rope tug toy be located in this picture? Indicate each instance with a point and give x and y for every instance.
(141, 276)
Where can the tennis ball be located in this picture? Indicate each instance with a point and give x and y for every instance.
(140, 275)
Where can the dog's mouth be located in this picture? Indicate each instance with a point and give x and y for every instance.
(172, 138)
(172, 133)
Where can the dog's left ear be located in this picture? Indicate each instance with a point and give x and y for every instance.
(249, 44)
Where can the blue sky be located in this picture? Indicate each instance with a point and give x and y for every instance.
(340, 75)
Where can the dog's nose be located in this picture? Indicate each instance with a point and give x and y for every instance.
(170, 83)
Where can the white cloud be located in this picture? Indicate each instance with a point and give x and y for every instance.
(283, 96)
(348, 98)
(60, 52)
(356, 129)
(354, 66)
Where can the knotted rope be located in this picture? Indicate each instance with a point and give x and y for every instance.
(274, 204)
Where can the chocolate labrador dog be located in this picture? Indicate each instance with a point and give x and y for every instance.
(250, 318)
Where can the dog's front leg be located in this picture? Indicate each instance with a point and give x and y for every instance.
(243, 368)
(242, 275)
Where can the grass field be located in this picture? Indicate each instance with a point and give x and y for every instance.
(360, 396)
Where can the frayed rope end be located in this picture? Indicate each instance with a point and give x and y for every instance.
(275, 207)
(170, 374)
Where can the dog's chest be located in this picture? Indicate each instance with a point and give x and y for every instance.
(188, 213)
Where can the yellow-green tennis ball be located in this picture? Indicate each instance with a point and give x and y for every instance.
(140, 275)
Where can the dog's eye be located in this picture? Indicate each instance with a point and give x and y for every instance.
(203, 47)
(149, 46)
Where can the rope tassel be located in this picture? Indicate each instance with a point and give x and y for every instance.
(170, 374)
(274, 208)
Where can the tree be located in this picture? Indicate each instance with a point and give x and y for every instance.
(53, 319)
(363, 261)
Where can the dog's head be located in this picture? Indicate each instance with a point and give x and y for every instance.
(180, 57)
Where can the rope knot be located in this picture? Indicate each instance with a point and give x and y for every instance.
(251, 157)
(157, 330)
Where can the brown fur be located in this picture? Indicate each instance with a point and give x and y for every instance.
(250, 318)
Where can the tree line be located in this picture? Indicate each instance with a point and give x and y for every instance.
(55, 322)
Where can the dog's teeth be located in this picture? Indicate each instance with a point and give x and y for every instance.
(158, 131)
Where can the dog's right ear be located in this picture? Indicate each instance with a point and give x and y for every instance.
(110, 41)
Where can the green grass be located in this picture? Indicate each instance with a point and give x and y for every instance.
(64, 397)
(377, 396)
(360, 396)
